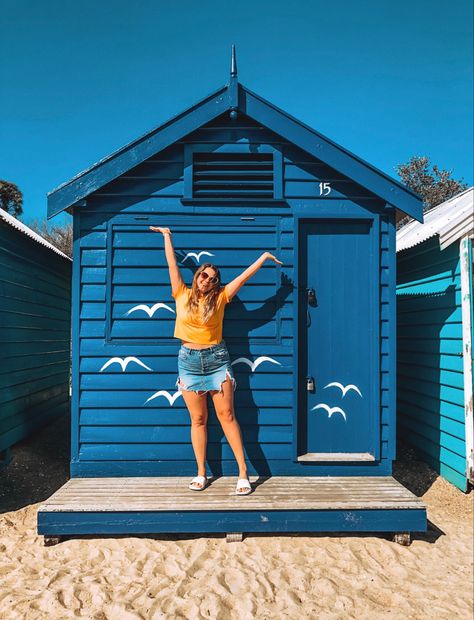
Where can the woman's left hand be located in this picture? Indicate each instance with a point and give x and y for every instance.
(274, 258)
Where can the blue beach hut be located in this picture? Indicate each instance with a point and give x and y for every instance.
(312, 342)
(435, 333)
(35, 332)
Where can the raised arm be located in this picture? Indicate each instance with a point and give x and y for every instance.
(175, 274)
(240, 280)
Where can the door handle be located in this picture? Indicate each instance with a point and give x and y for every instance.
(312, 301)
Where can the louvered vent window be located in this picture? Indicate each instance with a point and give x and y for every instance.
(233, 175)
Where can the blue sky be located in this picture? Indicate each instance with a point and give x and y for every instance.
(385, 79)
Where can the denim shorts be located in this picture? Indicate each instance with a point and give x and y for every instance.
(201, 370)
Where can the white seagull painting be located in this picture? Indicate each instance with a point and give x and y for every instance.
(150, 310)
(256, 363)
(170, 397)
(330, 410)
(197, 255)
(344, 388)
(124, 362)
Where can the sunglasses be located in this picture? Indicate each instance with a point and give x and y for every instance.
(212, 279)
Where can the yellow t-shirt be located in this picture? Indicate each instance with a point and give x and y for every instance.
(189, 328)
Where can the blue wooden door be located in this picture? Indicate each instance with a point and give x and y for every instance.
(339, 339)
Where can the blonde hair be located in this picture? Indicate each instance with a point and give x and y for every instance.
(209, 305)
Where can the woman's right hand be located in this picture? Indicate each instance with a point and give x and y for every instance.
(267, 255)
(165, 231)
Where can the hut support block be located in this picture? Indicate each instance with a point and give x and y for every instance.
(234, 537)
(50, 541)
(402, 538)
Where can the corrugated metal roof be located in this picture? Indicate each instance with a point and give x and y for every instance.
(451, 220)
(12, 221)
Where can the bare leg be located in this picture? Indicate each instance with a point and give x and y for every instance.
(224, 405)
(197, 407)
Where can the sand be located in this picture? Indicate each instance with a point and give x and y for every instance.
(265, 577)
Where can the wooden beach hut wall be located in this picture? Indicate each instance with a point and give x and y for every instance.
(35, 331)
(312, 342)
(435, 334)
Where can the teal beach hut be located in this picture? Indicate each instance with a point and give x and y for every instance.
(435, 335)
(312, 341)
(35, 332)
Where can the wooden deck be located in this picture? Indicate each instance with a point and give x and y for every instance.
(279, 503)
(276, 493)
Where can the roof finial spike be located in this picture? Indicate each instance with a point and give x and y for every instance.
(233, 64)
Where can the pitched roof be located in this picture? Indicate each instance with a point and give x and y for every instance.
(234, 96)
(14, 223)
(450, 220)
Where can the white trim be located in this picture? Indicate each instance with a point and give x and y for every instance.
(467, 353)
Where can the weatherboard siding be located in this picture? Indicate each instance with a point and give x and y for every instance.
(35, 329)
(430, 397)
(121, 265)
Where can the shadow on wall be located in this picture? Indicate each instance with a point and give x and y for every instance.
(247, 411)
(430, 394)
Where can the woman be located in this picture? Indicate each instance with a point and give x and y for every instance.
(203, 360)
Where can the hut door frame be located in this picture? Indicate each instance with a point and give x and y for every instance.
(300, 387)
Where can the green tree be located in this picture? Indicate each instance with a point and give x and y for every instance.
(432, 184)
(11, 198)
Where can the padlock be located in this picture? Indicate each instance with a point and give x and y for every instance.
(310, 384)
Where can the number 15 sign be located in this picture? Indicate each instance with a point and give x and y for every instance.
(324, 189)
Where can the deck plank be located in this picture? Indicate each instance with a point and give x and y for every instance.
(275, 493)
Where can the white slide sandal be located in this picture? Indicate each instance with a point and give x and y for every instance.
(202, 480)
(243, 484)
